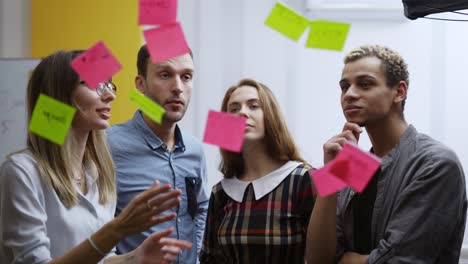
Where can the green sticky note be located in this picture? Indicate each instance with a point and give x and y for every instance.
(327, 35)
(51, 119)
(148, 106)
(286, 21)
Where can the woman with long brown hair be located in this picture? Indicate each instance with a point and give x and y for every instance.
(260, 211)
(57, 203)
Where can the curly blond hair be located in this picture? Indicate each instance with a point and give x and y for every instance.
(393, 65)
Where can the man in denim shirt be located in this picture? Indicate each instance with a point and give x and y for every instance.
(414, 208)
(145, 151)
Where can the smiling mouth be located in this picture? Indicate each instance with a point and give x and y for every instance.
(104, 113)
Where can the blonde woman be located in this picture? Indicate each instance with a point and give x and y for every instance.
(57, 202)
(259, 212)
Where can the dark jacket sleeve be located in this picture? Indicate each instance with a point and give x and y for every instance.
(340, 238)
(425, 215)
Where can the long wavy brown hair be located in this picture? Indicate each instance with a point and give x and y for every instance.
(278, 140)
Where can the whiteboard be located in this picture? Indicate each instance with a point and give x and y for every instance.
(14, 76)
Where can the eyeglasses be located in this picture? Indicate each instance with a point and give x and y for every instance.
(102, 87)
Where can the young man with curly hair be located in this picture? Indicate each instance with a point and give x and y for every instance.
(414, 208)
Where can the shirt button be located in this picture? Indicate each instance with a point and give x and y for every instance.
(178, 220)
(352, 192)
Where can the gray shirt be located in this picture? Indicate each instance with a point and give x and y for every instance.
(420, 209)
(34, 224)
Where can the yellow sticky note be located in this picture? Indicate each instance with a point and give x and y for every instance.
(51, 119)
(327, 35)
(287, 21)
(148, 106)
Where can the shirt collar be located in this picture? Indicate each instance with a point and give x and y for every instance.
(151, 138)
(405, 140)
(235, 188)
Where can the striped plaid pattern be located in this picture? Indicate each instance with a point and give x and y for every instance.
(270, 230)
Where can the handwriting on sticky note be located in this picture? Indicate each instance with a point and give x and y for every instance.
(327, 35)
(287, 21)
(157, 12)
(51, 119)
(96, 65)
(225, 130)
(148, 106)
(166, 42)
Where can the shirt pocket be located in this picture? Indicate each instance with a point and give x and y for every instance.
(192, 185)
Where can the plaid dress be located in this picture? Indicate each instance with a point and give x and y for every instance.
(271, 229)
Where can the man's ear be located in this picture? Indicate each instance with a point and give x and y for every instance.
(401, 92)
(140, 84)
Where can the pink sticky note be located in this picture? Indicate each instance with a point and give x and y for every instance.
(325, 182)
(354, 166)
(165, 42)
(156, 12)
(96, 65)
(225, 130)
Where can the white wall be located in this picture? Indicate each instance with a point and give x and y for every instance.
(15, 28)
(230, 42)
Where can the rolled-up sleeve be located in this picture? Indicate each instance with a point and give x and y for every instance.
(22, 217)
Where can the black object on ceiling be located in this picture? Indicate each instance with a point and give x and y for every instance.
(420, 8)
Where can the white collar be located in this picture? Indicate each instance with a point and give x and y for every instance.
(235, 188)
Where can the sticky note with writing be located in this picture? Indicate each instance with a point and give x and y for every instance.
(156, 12)
(225, 130)
(148, 106)
(166, 42)
(327, 35)
(325, 182)
(287, 21)
(96, 65)
(51, 119)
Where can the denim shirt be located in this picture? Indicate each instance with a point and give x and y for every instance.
(140, 158)
(420, 209)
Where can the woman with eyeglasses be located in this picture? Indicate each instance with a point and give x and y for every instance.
(57, 203)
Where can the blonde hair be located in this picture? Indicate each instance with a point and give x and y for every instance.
(278, 140)
(57, 165)
(393, 64)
